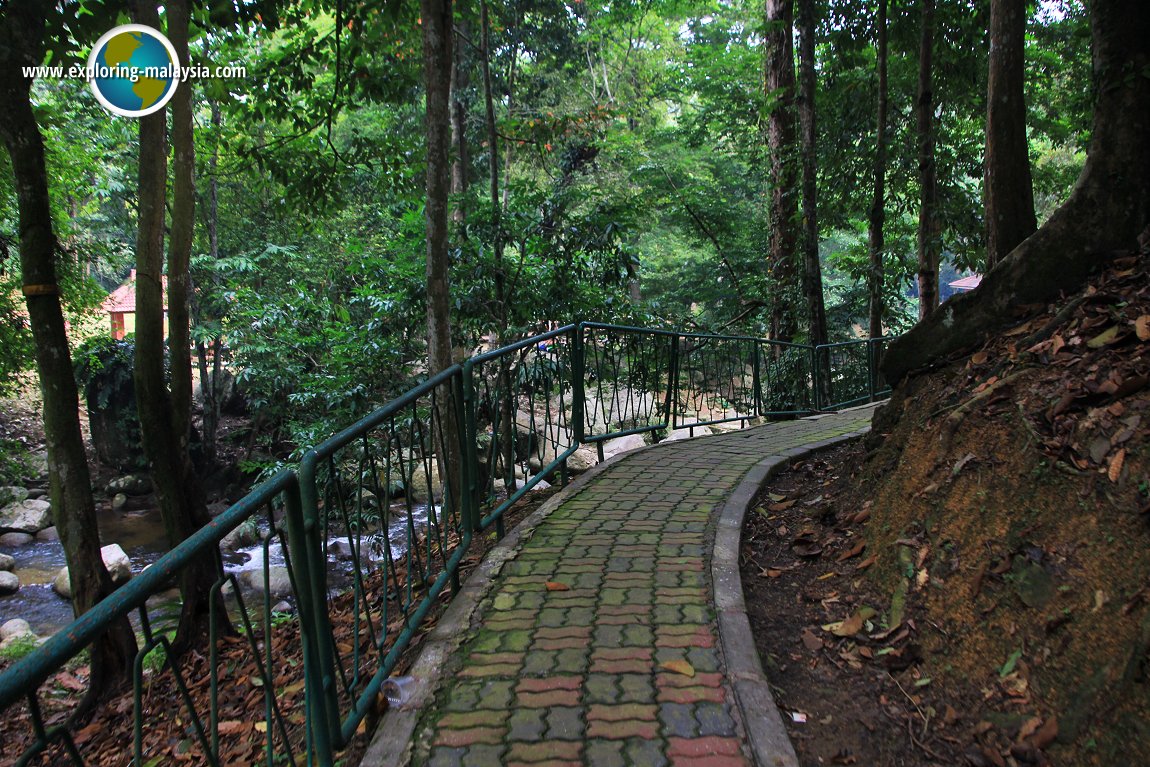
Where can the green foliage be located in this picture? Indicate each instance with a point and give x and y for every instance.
(19, 647)
(103, 367)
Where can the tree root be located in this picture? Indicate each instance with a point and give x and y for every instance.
(955, 419)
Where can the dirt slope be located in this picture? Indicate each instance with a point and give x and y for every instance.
(1008, 497)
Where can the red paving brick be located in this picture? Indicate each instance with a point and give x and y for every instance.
(627, 579)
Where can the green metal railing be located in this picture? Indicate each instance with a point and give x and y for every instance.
(370, 532)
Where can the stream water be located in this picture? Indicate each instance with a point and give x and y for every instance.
(141, 535)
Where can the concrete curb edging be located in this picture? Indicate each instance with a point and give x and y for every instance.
(394, 741)
(766, 735)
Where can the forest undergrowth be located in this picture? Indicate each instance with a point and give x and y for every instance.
(970, 585)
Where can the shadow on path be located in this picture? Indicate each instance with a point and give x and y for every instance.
(590, 635)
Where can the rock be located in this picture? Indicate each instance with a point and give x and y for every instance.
(230, 398)
(117, 562)
(7, 562)
(247, 534)
(15, 540)
(61, 583)
(37, 464)
(37, 492)
(12, 494)
(582, 460)
(218, 507)
(119, 501)
(9, 583)
(279, 582)
(283, 606)
(15, 628)
(48, 535)
(130, 484)
(28, 516)
(686, 433)
(419, 483)
(623, 444)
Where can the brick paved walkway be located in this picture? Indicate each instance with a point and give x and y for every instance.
(597, 642)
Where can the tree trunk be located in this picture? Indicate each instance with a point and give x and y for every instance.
(164, 431)
(436, 17)
(183, 227)
(877, 242)
(209, 380)
(929, 231)
(812, 270)
(461, 162)
(1009, 195)
(502, 300)
(783, 205)
(73, 510)
(1107, 211)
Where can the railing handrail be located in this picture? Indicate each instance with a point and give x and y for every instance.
(33, 670)
(691, 391)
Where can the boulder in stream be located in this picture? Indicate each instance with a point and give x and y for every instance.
(117, 562)
(27, 516)
(9, 583)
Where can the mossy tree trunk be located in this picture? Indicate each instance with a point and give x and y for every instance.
(782, 215)
(1106, 212)
(164, 415)
(929, 230)
(1008, 191)
(877, 219)
(73, 509)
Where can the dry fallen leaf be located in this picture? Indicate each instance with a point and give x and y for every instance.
(1046, 733)
(557, 586)
(979, 358)
(233, 726)
(1105, 338)
(854, 551)
(782, 506)
(811, 641)
(678, 667)
(1142, 327)
(1116, 462)
(867, 562)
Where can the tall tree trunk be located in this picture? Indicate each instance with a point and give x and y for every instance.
(1107, 211)
(783, 205)
(209, 380)
(507, 414)
(461, 162)
(436, 18)
(877, 241)
(436, 23)
(163, 430)
(70, 490)
(183, 227)
(812, 269)
(929, 231)
(1009, 194)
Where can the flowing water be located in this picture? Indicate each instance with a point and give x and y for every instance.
(141, 535)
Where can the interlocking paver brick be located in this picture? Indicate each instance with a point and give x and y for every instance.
(574, 677)
(545, 750)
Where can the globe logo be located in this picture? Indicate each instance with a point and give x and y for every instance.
(133, 70)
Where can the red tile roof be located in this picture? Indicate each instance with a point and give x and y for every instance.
(123, 298)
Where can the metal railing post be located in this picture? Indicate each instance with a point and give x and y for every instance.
(326, 724)
(673, 384)
(578, 386)
(756, 379)
(469, 450)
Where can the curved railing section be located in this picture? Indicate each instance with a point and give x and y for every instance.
(366, 538)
